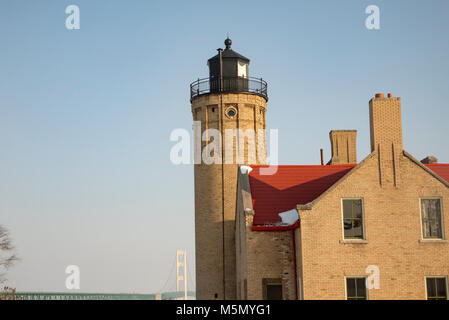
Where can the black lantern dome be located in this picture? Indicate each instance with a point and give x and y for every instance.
(228, 72)
(233, 65)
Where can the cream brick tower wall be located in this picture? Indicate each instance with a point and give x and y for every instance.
(215, 189)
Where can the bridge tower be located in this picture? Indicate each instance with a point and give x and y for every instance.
(181, 272)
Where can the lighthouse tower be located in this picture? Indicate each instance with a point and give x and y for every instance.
(233, 104)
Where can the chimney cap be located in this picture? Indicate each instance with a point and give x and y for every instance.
(344, 130)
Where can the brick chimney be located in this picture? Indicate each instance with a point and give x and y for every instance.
(343, 146)
(386, 135)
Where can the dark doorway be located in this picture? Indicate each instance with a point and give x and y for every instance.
(272, 289)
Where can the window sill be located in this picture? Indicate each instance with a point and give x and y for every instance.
(432, 241)
(353, 241)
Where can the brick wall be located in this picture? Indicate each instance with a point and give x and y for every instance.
(269, 256)
(393, 235)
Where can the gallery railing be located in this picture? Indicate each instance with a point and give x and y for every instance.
(228, 85)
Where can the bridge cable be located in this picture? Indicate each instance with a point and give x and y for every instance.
(169, 276)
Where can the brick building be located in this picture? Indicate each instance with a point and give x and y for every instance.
(384, 215)
(376, 229)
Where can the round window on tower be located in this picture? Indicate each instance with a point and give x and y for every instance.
(231, 112)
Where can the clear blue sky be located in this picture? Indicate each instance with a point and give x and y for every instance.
(85, 115)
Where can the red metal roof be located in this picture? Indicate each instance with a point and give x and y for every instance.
(293, 185)
(290, 186)
(441, 169)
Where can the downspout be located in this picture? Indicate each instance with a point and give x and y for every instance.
(294, 264)
(220, 54)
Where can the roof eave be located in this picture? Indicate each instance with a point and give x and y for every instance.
(256, 227)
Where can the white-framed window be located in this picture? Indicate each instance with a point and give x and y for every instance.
(431, 218)
(356, 288)
(353, 218)
(436, 288)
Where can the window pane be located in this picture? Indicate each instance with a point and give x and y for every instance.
(435, 229)
(347, 209)
(431, 290)
(435, 205)
(361, 288)
(357, 208)
(358, 229)
(348, 228)
(353, 228)
(432, 213)
(441, 288)
(350, 287)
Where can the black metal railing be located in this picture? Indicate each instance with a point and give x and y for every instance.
(229, 85)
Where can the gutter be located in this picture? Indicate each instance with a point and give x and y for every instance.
(294, 264)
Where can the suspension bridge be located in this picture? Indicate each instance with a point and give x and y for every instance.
(174, 288)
